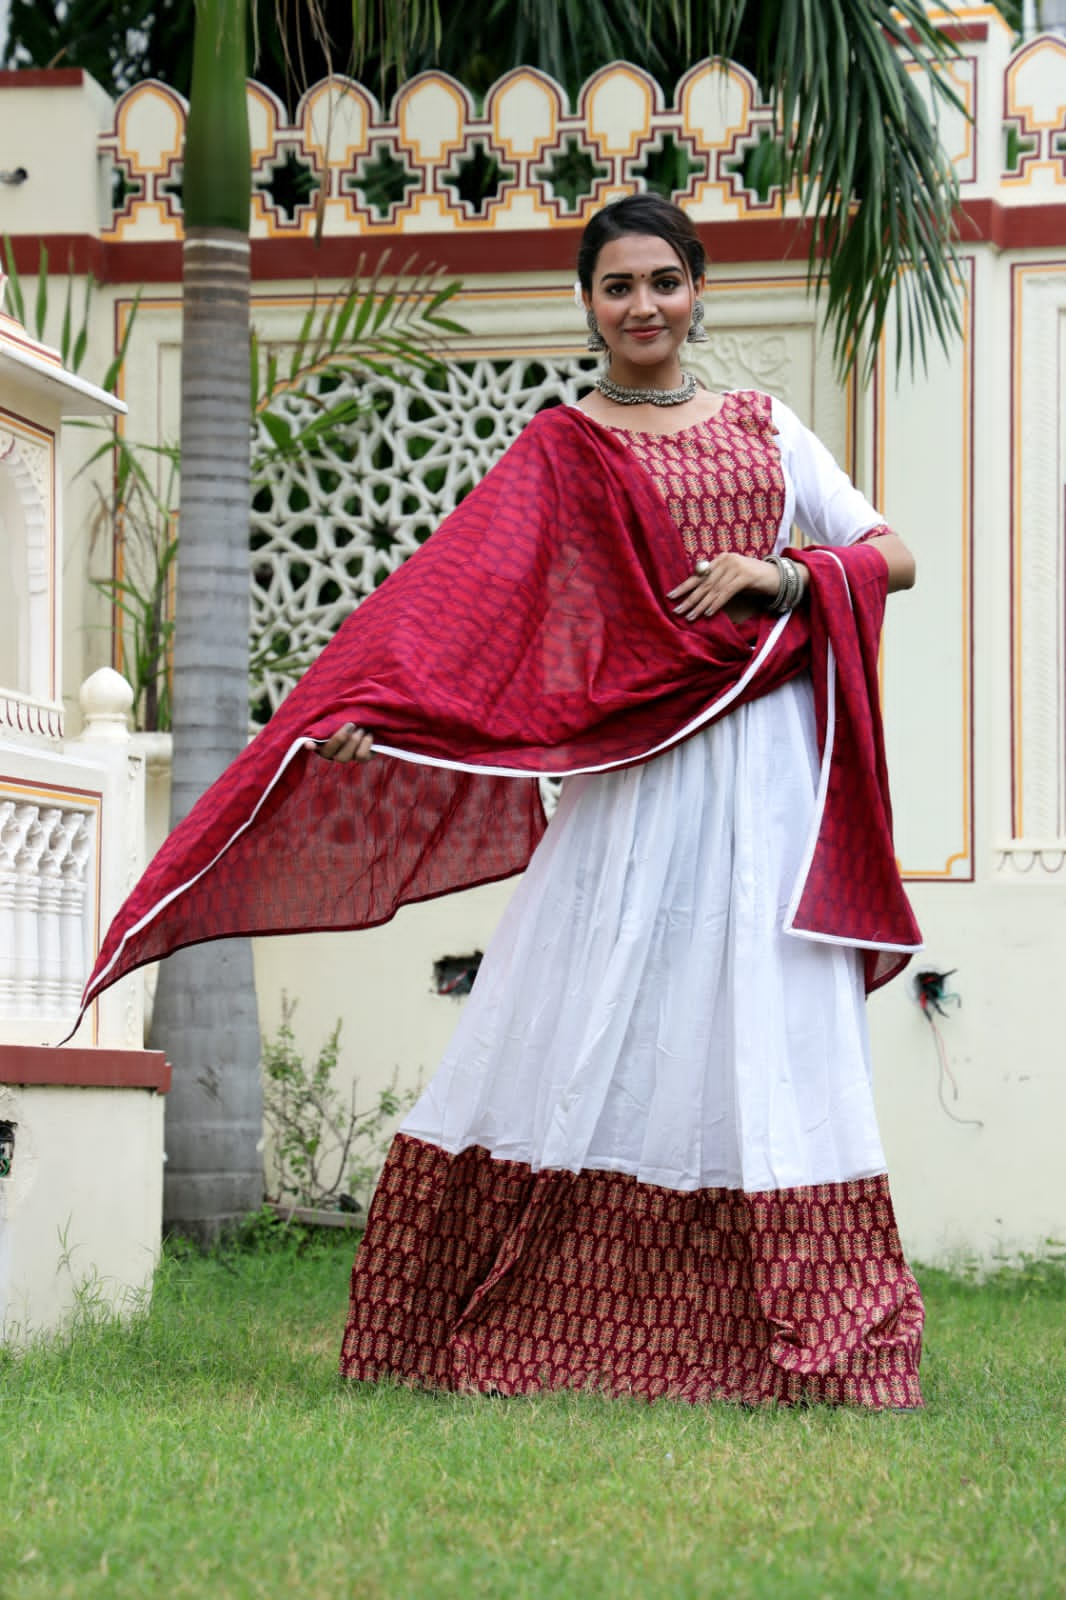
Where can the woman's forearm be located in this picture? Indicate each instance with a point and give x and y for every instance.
(898, 559)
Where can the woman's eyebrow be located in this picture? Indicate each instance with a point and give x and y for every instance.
(656, 272)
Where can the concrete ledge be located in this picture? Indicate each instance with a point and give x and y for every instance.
(81, 1068)
(314, 1218)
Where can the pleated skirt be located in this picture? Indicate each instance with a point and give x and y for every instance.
(649, 1161)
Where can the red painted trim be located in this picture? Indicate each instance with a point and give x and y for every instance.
(468, 252)
(1012, 444)
(42, 77)
(53, 788)
(969, 263)
(971, 876)
(957, 33)
(33, 423)
(81, 252)
(463, 253)
(1061, 808)
(80, 1068)
(1022, 227)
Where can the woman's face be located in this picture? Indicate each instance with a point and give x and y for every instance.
(642, 297)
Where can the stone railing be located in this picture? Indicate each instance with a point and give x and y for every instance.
(71, 841)
(44, 935)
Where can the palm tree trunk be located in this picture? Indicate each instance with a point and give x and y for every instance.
(205, 1014)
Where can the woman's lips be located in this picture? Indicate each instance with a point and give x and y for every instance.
(644, 333)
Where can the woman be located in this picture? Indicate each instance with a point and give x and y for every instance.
(649, 1160)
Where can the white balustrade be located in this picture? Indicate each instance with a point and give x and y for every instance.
(73, 909)
(44, 855)
(106, 701)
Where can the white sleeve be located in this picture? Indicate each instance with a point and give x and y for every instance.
(829, 509)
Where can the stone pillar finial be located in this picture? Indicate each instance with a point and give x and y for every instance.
(106, 701)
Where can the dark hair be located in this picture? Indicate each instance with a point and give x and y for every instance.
(640, 213)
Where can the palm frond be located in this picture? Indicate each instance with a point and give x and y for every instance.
(385, 324)
(845, 79)
(392, 30)
(862, 149)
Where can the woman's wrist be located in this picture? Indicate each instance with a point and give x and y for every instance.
(791, 584)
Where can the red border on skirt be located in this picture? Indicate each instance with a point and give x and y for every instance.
(481, 1275)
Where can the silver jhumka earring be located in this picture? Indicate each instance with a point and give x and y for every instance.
(595, 341)
(697, 333)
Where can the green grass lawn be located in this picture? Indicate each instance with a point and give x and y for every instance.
(209, 1449)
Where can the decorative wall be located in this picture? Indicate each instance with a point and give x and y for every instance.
(344, 166)
(434, 164)
(966, 458)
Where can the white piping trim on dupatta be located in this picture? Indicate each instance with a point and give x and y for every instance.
(715, 709)
(161, 905)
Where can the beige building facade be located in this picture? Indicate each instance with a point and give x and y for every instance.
(966, 459)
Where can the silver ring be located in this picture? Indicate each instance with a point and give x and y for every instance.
(702, 567)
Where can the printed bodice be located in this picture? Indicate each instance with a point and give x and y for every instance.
(721, 479)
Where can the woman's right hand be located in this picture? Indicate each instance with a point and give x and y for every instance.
(349, 743)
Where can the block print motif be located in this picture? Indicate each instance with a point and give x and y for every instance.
(477, 1274)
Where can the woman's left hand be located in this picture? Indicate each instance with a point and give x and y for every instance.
(728, 577)
(347, 743)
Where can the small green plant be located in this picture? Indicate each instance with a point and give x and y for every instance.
(136, 515)
(74, 332)
(326, 1153)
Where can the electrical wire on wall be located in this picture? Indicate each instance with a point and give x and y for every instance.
(934, 997)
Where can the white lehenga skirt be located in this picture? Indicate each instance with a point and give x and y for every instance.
(649, 1162)
(640, 1009)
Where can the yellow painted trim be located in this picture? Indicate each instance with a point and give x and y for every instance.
(152, 91)
(409, 140)
(264, 98)
(610, 77)
(338, 89)
(1015, 108)
(142, 210)
(1021, 273)
(538, 141)
(967, 851)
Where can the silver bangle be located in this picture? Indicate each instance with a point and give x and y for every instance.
(789, 584)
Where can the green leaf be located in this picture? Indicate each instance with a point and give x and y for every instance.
(112, 374)
(363, 315)
(41, 311)
(344, 310)
(81, 341)
(303, 336)
(278, 429)
(14, 282)
(64, 338)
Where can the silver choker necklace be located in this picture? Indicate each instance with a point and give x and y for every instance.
(653, 397)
